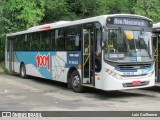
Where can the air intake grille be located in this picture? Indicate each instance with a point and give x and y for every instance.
(133, 67)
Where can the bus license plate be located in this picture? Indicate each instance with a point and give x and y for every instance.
(136, 83)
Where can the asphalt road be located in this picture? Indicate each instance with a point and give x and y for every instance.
(35, 94)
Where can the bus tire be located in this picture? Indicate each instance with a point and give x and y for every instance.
(23, 71)
(75, 82)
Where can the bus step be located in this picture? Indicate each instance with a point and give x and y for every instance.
(88, 85)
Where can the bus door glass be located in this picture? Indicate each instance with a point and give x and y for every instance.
(156, 44)
(88, 56)
(158, 57)
(10, 53)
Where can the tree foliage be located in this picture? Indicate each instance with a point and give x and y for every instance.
(21, 14)
(16, 15)
(55, 10)
(2, 30)
(149, 8)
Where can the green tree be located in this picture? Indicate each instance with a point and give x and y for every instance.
(85, 8)
(88, 8)
(56, 10)
(22, 14)
(113, 6)
(131, 4)
(17, 15)
(2, 30)
(148, 8)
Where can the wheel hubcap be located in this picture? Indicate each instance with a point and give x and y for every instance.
(22, 71)
(76, 81)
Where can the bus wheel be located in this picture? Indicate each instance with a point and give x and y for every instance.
(75, 82)
(23, 71)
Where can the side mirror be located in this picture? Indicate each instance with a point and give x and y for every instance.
(105, 35)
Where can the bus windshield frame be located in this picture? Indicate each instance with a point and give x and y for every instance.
(137, 48)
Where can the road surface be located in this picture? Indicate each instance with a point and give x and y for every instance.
(35, 94)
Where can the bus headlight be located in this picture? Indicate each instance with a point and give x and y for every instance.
(113, 74)
(151, 73)
(118, 76)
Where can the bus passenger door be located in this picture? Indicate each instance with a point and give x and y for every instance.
(88, 67)
(156, 56)
(10, 54)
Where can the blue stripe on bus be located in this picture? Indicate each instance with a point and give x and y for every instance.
(126, 70)
(30, 58)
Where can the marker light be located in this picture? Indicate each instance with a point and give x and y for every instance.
(107, 70)
(79, 66)
(46, 27)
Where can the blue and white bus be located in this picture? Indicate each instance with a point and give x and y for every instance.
(108, 52)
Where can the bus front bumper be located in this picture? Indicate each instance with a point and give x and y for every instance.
(111, 83)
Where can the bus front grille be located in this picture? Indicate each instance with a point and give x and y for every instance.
(141, 75)
(132, 66)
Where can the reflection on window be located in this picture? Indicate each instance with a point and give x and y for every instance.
(98, 48)
(72, 38)
(35, 41)
(53, 40)
(45, 41)
(134, 44)
(26, 44)
(59, 39)
(116, 41)
(19, 42)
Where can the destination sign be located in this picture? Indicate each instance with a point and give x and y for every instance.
(116, 56)
(128, 21)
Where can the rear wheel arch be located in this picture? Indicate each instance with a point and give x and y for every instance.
(70, 71)
(76, 82)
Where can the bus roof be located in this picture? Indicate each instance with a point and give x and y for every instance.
(70, 23)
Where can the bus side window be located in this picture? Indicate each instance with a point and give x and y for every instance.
(78, 35)
(46, 41)
(70, 39)
(19, 43)
(34, 38)
(59, 40)
(53, 40)
(26, 43)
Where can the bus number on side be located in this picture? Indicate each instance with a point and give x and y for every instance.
(43, 61)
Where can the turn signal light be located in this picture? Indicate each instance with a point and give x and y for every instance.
(79, 66)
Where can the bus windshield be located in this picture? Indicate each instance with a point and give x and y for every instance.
(128, 46)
